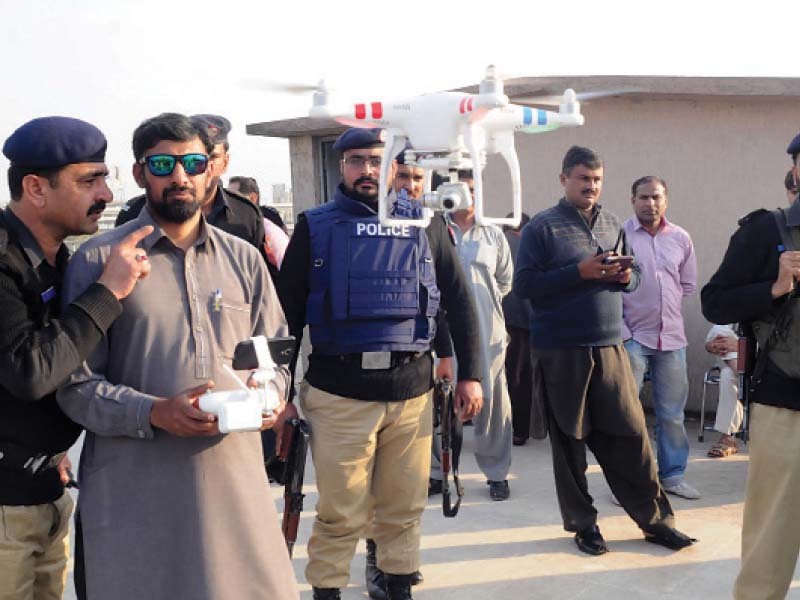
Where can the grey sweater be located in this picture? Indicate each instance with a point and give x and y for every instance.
(568, 311)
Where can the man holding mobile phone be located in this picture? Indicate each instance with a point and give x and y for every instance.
(653, 323)
(580, 367)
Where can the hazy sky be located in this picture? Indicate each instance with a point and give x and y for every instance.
(115, 63)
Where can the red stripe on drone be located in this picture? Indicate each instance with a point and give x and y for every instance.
(361, 111)
(469, 104)
(461, 105)
(377, 110)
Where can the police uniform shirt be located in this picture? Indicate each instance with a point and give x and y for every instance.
(40, 345)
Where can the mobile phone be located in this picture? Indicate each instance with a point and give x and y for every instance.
(281, 349)
(624, 262)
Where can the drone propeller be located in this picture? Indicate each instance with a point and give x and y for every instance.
(556, 99)
(283, 87)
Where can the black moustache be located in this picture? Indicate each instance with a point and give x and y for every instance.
(361, 180)
(97, 207)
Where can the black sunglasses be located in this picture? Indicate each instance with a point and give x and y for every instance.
(162, 165)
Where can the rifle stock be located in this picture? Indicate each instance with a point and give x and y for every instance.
(294, 448)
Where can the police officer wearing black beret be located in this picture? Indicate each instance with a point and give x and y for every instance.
(57, 184)
(370, 298)
(756, 285)
(230, 211)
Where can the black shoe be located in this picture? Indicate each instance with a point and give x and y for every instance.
(398, 587)
(417, 578)
(591, 541)
(376, 582)
(499, 490)
(327, 594)
(518, 440)
(669, 537)
(434, 486)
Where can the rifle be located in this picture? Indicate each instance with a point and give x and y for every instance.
(292, 459)
(452, 435)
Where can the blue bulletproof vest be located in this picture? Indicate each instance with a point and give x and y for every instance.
(373, 288)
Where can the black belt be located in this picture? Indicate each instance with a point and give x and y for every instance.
(356, 359)
(20, 458)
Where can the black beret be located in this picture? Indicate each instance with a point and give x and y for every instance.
(52, 142)
(359, 138)
(401, 158)
(794, 146)
(218, 127)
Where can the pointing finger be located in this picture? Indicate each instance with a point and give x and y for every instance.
(133, 238)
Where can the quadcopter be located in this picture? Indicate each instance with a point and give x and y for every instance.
(448, 131)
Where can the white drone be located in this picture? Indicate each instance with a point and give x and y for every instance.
(450, 131)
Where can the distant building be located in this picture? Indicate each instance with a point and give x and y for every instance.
(282, 202)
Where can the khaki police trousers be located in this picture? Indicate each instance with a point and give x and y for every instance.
(771, 527)
(366, 455)
(34, 548)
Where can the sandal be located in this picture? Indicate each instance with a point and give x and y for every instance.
(725, 446)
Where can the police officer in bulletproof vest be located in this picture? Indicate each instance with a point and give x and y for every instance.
(230, 211)
(57, 184)
(370, 295)
(756, 285)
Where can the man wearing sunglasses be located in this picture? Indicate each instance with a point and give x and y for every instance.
(370, 295)
(226, 209)
(57, 183)
(169, 507)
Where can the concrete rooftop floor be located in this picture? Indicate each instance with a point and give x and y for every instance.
(518, 548)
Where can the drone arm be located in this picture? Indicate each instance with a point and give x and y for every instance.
(502, 142)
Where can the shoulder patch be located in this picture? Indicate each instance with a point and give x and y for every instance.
(748, 218)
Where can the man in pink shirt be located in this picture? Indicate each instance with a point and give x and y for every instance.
(653, 323)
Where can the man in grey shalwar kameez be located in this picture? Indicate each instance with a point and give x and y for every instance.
(486, 258)
(169, 507)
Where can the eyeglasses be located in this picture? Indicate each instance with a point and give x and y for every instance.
(162, 165)
(360, 161)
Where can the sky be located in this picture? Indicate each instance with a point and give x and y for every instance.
(115, 63)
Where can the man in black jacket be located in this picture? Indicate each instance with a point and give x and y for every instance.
(57, 182)
(757, 284)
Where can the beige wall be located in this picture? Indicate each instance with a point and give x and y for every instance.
(721, 158)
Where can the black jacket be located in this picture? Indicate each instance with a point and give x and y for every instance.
(740, 291)
(40, 345)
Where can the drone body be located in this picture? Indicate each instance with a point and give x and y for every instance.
(449, 131)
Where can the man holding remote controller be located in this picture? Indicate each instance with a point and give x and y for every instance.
(653, 323)
(569, 266)
(169, 508)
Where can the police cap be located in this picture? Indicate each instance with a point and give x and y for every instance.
(53, 142)
(401, 158)
(218, 127)
(359, 138)
(794, 146)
